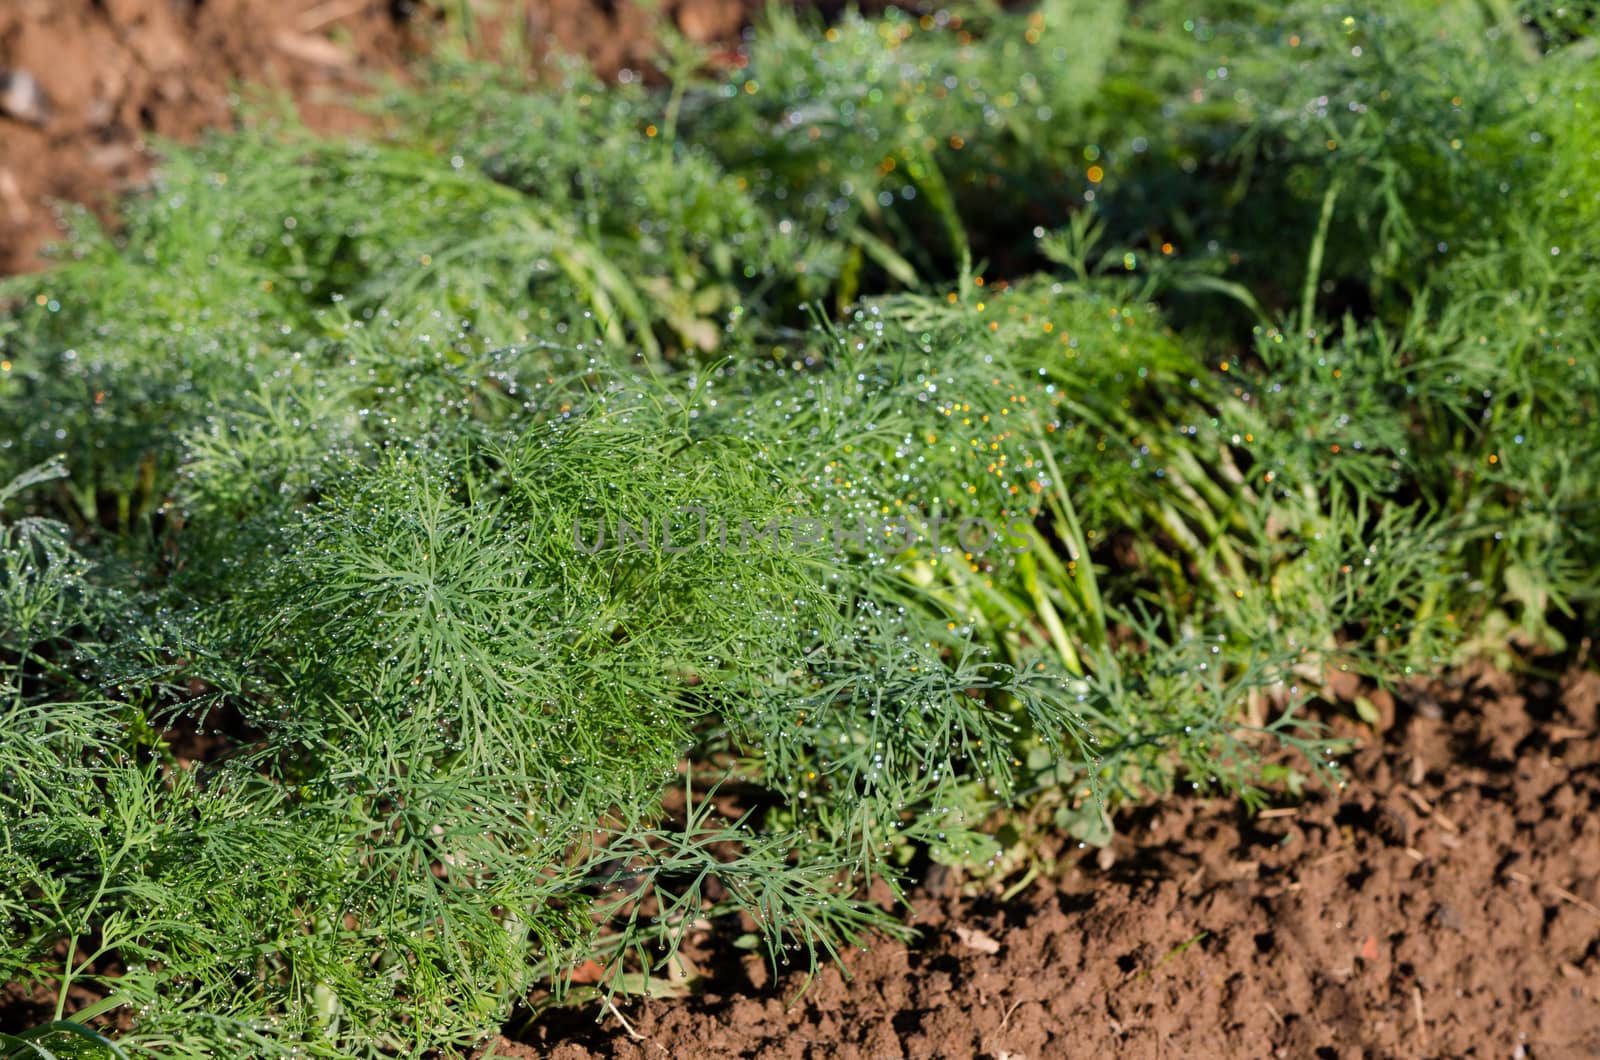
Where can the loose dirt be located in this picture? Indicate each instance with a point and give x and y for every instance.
(1445, 903)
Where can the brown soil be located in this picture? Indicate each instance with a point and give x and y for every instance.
(86, 85)
(1446, 903)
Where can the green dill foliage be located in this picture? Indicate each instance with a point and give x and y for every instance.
(668, 247)
(594, 510)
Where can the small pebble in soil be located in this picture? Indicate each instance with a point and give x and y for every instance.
(23, 98)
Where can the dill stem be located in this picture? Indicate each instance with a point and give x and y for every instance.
(1308, 295)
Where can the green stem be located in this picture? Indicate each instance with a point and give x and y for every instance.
(1308, 296)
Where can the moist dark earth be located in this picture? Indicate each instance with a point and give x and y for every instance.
(1444, 903)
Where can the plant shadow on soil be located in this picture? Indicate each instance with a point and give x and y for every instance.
(1445, 902)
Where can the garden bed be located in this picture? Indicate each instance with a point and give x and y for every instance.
(987, 530)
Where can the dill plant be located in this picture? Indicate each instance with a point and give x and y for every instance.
(319, 447)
